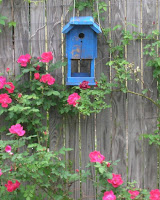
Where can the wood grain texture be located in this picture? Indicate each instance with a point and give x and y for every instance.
(135, 118)
(53, 14)
(118, 98)
(21, 31)
(72, 141)
(6, 44)
(103, 119)
(150, 111)
(6, 50)
(87, 127)
(37, 28)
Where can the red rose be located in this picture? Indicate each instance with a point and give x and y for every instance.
(134, 194)
(96, 156)
(84, 85)
(12, 186)
(109, 195)
(37, 76)
(72, 99)
(11, 89)
(46, 57)
(155, 194)
(116, 180)
(5, 100)
(24, 60)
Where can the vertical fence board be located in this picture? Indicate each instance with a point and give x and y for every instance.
(87, 125)
(54, 13)
(135, 146)
(21, 31)
(6, 49)
(150, 112)
(119, 99)
(72, 141)
(37, 27)
(103, 119)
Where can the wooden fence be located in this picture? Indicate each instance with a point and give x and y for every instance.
(114, 132)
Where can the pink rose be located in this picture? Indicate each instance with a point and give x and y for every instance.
(17, 129)
(19, 95)
(84, 85)
(155, 194)
(8, 149)
(11, 89)
(108, 164)
(2, 81)
(116, 180)
(24, 60)
(47, 78)
(12, 186)
(1, 172)
(134, 194)
(109, 195)
(96, 156)
(5, 100)
(37, 76)
(77, 170)
(46, 57)
(72, 99)
(8, 69)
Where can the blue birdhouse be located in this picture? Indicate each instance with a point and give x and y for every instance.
(81, 49)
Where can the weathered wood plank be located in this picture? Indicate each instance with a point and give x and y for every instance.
(6, 51)
(87, 127)
(37, 28)
(72, 141)
(21, 31)
(119, 99)
(149, 112)
(103, 119)
(53, 14)
(135, 128)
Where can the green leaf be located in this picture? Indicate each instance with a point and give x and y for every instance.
(116, 27)
(12, 23)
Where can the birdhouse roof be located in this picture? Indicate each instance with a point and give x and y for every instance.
(75, 21)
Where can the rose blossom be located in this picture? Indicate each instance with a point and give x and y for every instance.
(47, 78)
(84, 85)
(19, 95)
(37, 76)
(38, 68)
(24, 59)
(96, 156)
(155, 194)
(108, 164)
(11, 89)
(8, 149)
(134, 194)
(1, 172)
(17, 129)
(116, 180)
(109, 195)
(12, 186)
(46, 57)
(7, 69)
(5, 100)
(2, 81)
(77, 170)
(72, 99)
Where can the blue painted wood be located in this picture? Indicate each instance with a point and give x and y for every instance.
(81, 43)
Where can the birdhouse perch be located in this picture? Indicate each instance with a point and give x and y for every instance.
(81, 49)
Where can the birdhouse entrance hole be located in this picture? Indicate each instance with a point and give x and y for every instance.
(81, 35)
